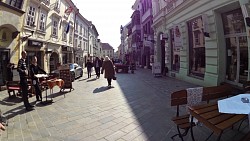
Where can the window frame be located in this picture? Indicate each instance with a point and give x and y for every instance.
(30, 15)
(55, 29)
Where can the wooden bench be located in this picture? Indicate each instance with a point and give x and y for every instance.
(179, 98)
(14, 88)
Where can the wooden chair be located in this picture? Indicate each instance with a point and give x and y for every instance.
(179, 98)
(182, 121)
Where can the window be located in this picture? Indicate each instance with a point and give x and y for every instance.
(64, 34)
(42, 21)
(30, 21)
(80, 44)
(16, 3)
(4, 36)
(76, 29)
(70, 35)
(81, 29)
(75, 43)
(196, 47)
(57, 6)
(55, 27)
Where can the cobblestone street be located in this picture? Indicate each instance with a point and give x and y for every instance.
(136, 108)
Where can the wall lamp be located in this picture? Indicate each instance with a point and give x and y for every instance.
(148, 38)
(26, 37)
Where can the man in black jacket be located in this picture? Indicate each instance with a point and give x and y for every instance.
(23, 73)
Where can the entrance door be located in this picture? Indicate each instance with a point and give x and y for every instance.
(4, 56)
(237, 59)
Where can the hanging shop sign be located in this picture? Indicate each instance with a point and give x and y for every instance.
(34, 43)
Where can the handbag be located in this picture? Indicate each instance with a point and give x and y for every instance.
(114, 78)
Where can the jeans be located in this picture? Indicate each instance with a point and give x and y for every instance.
(89, 72)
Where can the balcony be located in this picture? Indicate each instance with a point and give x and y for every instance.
(146, 15)
(136, 27)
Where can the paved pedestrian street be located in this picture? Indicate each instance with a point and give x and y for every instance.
(136, 108)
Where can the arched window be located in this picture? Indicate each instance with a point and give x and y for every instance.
(4, 36)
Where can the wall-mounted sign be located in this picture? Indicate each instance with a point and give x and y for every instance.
(35, 43)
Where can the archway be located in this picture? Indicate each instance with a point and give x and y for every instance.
(54, 60)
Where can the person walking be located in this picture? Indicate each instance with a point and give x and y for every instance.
(109, 71)
(34, 70)
(89, 66)
(97, 66)
(23, 73)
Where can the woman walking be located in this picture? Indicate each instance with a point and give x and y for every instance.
(109, 71)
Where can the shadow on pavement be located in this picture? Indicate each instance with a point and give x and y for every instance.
(10, 101)
(90, 80)
(102, 89)
(83, 79)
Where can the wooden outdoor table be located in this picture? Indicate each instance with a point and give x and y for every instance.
(209, 115)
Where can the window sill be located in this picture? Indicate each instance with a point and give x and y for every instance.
(54, 36)
(41, 32)
(196, 77)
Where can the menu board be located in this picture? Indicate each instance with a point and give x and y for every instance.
(66, 77)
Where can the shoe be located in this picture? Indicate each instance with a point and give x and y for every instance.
(29, 108)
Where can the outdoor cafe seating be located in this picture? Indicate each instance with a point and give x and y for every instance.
(212, 110)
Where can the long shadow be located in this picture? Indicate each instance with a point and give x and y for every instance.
(83, 79)
(10, 101)
(101, 89)
(90, 80)
(149, 100)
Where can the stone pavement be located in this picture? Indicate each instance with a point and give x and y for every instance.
(137, 108)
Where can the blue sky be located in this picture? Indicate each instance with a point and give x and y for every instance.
(107, 16)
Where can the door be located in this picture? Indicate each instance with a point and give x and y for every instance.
(237, 59)
(4, 56)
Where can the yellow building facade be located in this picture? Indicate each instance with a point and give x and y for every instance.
(11, 15)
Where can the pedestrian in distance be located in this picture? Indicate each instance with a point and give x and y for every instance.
(34, 70)
(89, 66)
(109, 71)
(97, 66)
(23, 73)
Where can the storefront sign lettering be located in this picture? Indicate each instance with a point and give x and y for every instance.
(35, 43)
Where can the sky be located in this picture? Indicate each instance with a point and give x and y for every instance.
(107, 16)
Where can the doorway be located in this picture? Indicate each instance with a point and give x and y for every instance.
(4, 57)
(236, 47)
(54, 60)
(237, 59)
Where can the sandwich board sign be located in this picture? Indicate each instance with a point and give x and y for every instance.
(157, 69)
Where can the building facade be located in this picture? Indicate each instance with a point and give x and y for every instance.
(203, 42)
(107, 50)
(93, 46)
(11, 15)
(81, 39)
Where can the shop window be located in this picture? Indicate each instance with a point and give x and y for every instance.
(30, 21)
(196, 47)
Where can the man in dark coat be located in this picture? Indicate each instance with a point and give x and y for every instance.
(23, 73)
(97, 65)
